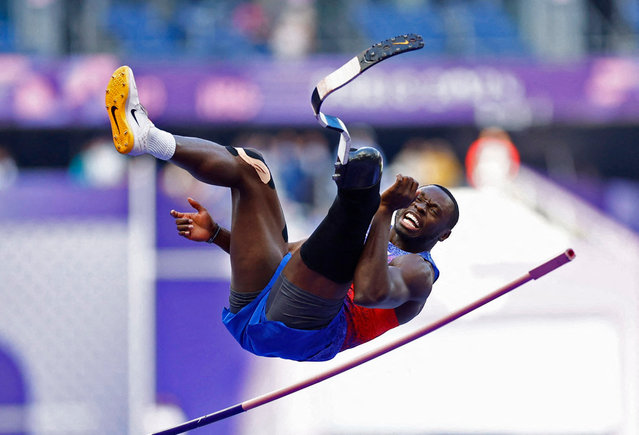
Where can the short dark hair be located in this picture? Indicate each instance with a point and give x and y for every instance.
(455, 216)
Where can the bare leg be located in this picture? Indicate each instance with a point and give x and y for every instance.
(257, 229)
(257, 241)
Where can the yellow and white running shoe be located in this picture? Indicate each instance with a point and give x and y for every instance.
(130, 123)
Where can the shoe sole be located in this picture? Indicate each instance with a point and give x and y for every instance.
(117, 96)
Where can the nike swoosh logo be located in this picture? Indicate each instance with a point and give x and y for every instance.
(401, 43)
(113, 109)
(133, 113)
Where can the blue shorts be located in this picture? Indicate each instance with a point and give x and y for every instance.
(264, 337)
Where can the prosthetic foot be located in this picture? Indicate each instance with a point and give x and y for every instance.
(363, 170)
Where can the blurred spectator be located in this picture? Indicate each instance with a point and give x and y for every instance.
(252, 21)
(96, 165)
(430, 161)
(296, 183)
(8, 169)
(363, 135)
(295, 32)
(317, 164)
(492, 159)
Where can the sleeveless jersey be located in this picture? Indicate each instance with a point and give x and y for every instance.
(364, 324)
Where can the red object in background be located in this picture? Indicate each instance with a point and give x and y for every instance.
(491, 159)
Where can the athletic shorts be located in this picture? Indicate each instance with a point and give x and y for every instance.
(263, 337)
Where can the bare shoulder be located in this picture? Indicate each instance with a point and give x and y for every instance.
(418, 275)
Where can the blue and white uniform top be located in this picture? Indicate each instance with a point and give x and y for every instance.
(394, 252)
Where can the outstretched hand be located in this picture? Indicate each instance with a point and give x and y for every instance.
(198, 226)
(400, 194)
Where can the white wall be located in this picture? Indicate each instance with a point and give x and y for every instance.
(558, 355)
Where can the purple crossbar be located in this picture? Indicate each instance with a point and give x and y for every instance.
(535, 273)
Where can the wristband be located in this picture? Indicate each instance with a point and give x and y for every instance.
(212, 238)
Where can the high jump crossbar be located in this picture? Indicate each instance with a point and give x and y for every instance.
(535, 273)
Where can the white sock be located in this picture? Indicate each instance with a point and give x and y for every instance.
(161, 144)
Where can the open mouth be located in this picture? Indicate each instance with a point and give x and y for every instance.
(411, 221)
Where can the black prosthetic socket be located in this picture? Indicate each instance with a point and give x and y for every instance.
(334, 248)
(364, 169)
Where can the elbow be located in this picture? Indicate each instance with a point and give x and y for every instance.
(370, 297)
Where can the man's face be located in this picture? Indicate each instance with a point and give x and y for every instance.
(427, 217)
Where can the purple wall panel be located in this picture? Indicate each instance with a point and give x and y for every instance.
(45, 194)
(200, 367)
(412, 90)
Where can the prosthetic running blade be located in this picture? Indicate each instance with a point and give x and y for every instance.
(348, 72)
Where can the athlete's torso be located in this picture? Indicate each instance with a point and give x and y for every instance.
(364, 324)
(354, 325)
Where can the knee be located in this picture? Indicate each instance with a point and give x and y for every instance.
(252, 152)
(256, 161)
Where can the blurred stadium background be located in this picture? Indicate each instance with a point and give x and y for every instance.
(527, 109)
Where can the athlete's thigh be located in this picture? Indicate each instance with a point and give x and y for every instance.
(258, 231)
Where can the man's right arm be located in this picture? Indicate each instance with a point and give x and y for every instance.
(200, 227)
(377, 284)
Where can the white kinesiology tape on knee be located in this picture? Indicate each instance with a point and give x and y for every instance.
(259, 166)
